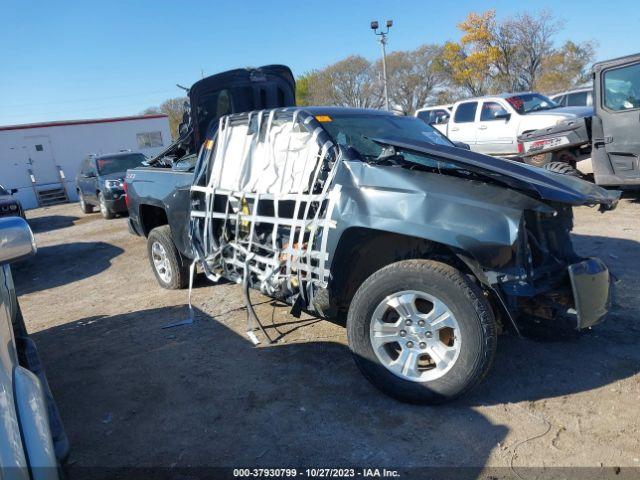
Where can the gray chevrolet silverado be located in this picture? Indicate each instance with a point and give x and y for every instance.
(428, 249)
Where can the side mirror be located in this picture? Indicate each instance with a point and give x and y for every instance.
(13, 191)
(503, 116)
(463, 145)
(16, 240)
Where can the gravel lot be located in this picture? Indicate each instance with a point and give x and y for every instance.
(134, 394)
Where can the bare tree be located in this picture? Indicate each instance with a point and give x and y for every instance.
(351, 82)
(532, 35)
(413, 77)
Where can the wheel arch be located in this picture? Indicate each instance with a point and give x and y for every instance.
(151, 216)
(361, 251)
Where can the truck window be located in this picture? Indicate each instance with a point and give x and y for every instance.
(622, 88)
(491, 110)
(431, 117)
(578, 99)
(466, 112)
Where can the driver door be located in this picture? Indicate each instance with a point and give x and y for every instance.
(619, 110)
(496, 130)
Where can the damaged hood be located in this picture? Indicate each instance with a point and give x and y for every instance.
(535, 181)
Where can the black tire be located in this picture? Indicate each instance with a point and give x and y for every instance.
(179, 273)
(477, 328)
(563, 168)
(84, 206)
(104, 210)
(538, 160)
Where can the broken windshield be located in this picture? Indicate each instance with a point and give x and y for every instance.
(531, 102)
(358, 130)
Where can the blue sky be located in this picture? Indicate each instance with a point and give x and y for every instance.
(73, 59)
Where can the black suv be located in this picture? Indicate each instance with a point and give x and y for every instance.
(9, 206)
(100, 181)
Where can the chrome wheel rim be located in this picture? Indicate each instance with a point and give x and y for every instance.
(415, 336)
(161, 262)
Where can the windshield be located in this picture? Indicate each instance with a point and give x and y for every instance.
(531, 102)
(119, 163)
(357, 130)
(3, 191)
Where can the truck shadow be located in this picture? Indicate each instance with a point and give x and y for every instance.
(61, 264)
(207, 397)
(51, 222)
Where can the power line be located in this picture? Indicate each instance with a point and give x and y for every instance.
(81, 100)
(64, 112)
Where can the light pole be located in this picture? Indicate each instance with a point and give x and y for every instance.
(383, 42)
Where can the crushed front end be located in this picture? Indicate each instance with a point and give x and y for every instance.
(550, 282)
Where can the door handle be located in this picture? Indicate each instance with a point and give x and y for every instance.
(455, 129)
(482, 127)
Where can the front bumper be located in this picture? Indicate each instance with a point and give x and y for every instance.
(592, 292)
(117, 205)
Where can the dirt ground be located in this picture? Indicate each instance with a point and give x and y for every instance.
(133, 393)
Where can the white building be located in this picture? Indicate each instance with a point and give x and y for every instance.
(41, 160)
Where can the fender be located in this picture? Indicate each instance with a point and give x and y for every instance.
(480, 220)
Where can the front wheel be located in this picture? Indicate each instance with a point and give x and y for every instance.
(421, 332)
(104, 209)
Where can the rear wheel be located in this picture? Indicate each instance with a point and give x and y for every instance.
(165, 259)
(421, 332)
(84, 206)
(104, 209)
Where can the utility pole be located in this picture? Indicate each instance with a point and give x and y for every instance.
(383, 42)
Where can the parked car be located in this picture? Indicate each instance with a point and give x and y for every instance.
(10, 206)
(428, 249)
(33, 442)
(436, 116)
(608, 140)
(100, 181)
(492, 124)
(158, 192)
(578, 97)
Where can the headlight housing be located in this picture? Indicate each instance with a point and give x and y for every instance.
(114, 183)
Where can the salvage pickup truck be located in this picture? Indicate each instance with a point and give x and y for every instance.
(492, 124)
(157, 194)
(428, 249)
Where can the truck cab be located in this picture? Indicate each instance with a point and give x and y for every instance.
(615, 132)
(157, 193)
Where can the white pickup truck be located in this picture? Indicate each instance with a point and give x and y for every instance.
(491, 124)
